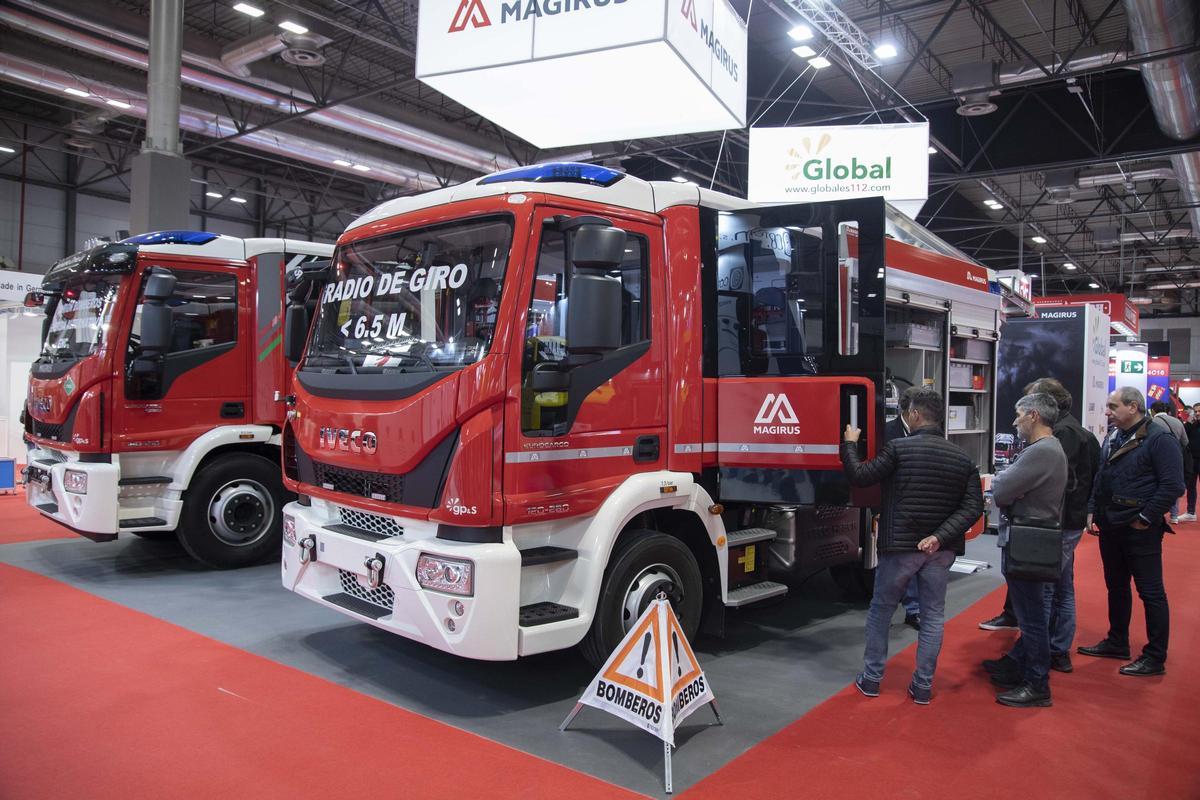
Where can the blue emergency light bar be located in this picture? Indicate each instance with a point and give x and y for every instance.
(558, 172)
(171, 237)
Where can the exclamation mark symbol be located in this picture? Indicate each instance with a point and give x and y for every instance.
(678, 660)
(645, 650)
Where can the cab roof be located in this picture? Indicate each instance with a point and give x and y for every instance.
(216, 245)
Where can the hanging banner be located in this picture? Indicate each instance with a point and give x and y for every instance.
(1123, 315)
(652, 680)
(568, 72)
(1158, 373)
(806, 164)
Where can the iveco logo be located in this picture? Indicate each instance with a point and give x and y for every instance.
(346, 439)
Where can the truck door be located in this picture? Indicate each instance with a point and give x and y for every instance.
(797, 294)
(566, 450)
(204, 378)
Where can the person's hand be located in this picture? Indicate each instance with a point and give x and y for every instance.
(929, 544)
(1091, 525)
(851, 434)
(1139, 524)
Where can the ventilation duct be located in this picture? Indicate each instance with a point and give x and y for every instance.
(238, 56)
(976, 83)
(16, 69)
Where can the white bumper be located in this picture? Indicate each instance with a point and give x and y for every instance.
(487, 627)
(98, 512)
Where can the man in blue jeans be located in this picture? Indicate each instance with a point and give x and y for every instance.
(931, 498)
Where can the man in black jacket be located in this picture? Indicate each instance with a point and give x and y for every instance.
(1193, 432)
(1141, 475)
(931, 498)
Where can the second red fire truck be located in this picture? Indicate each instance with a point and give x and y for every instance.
(531, 403)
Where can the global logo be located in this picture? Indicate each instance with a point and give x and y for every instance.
(473, 13)
(776, 416)
(803, 165)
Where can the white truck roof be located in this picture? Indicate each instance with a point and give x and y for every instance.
(224, 247)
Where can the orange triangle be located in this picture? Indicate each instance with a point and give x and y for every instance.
(634, 639)
(687, 666)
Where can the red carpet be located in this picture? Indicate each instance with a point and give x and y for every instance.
(98, 701)
(1107, 736)
(20, 523)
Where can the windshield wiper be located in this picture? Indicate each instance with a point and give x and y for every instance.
(329, 361)
(417, 358)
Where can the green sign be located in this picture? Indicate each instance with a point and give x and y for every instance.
(1135, 367)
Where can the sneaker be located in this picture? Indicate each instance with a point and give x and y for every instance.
(921, 697)
(1000, 622)
(1061, 662)
(868, 687)
(1174, 519)
(913, 621)
(1188, 517)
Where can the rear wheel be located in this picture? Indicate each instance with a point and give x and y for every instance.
(232, 512)
(855, 580)
(643, 564)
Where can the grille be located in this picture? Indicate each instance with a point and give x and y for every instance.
(372, 485)
(383, 597)
(44, 430)
(291, 461)
(55, 455)
(384, 526)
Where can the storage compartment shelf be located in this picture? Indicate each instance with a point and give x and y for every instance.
(901, 346)
(970, 361)
(968, 391)
(971, 430)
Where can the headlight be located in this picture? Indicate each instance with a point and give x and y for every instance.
(75, 481)
(289, 529)
(450, 575)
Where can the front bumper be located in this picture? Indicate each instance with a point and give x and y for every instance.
(337, 577)
(93, 514)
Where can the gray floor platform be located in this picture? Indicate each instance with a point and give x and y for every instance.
(774, 665)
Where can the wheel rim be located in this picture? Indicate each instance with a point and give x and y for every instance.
(241, 512)
(645, 586)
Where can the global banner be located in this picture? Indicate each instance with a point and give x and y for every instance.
(794, 165)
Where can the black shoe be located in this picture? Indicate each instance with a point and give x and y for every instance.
(1061, 662)
(1001, 666)
(1144, 666)
(1025, 696)
(1105, 649)
(913, 621)
(1001, 622)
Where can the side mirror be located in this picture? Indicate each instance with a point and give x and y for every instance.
(594, 320)
(159, 286)
(34, 299)
(156, 317)
(295, 333)
(301, 279)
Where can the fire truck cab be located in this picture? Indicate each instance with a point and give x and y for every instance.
(153, 406)
(530, 403)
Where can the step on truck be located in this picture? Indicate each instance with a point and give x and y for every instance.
(530, 403)
(155, 405)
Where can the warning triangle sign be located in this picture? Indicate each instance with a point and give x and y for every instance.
(652, 679)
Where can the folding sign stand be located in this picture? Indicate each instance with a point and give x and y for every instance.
(651, 680)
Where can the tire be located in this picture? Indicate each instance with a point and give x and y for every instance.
(857, 582)
(232, 514)
(642, 564)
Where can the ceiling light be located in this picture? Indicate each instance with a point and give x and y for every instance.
(1069, 265)
(820, 62)
(1038, 239)
(801, 33)
(118, 104)
(361, 168)
(71, 90)
(6, 149)
(994, 204)
(1094, 285)
(238, 199)
(248, 10)
(292, 27)
(804, 51)
(217, 195)
(885, 51)
(931, 150)
(341, 162)
(679, 179)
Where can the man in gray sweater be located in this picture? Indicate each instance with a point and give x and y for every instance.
(1032, 488)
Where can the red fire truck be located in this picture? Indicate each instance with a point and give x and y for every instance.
(152, 408)
(530, 403)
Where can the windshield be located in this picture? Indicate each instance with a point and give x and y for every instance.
(81, 317)
(416, 301)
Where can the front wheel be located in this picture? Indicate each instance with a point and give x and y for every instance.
(232, 512)
(643, 564)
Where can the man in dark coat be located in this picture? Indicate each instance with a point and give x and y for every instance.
(931, 498)
(897, 428)
(1193, 432)
(1141, 474)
